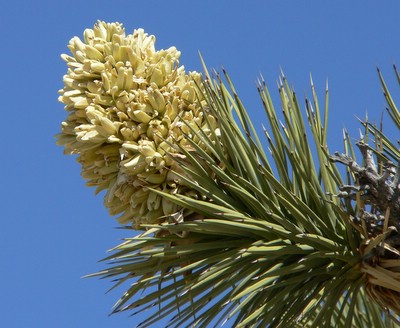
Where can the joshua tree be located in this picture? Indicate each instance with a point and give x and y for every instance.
(224, 226)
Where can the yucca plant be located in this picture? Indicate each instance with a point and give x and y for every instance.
(376, 191)
(264, 231)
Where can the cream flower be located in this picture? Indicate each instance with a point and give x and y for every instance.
(126, 104)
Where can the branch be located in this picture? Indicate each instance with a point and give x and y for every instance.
(381, 191)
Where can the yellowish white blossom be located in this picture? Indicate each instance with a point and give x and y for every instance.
(127, 103)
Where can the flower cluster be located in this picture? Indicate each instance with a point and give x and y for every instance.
(128, 107)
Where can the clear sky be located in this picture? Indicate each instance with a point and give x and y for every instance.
(53, 229)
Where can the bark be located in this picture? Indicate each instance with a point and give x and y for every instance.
(379, 192)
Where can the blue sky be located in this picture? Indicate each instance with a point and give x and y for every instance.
(54, 230)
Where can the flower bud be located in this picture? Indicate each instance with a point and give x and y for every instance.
(127, 103)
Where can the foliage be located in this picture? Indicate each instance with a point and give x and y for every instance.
(259, 236)
(270, 246)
